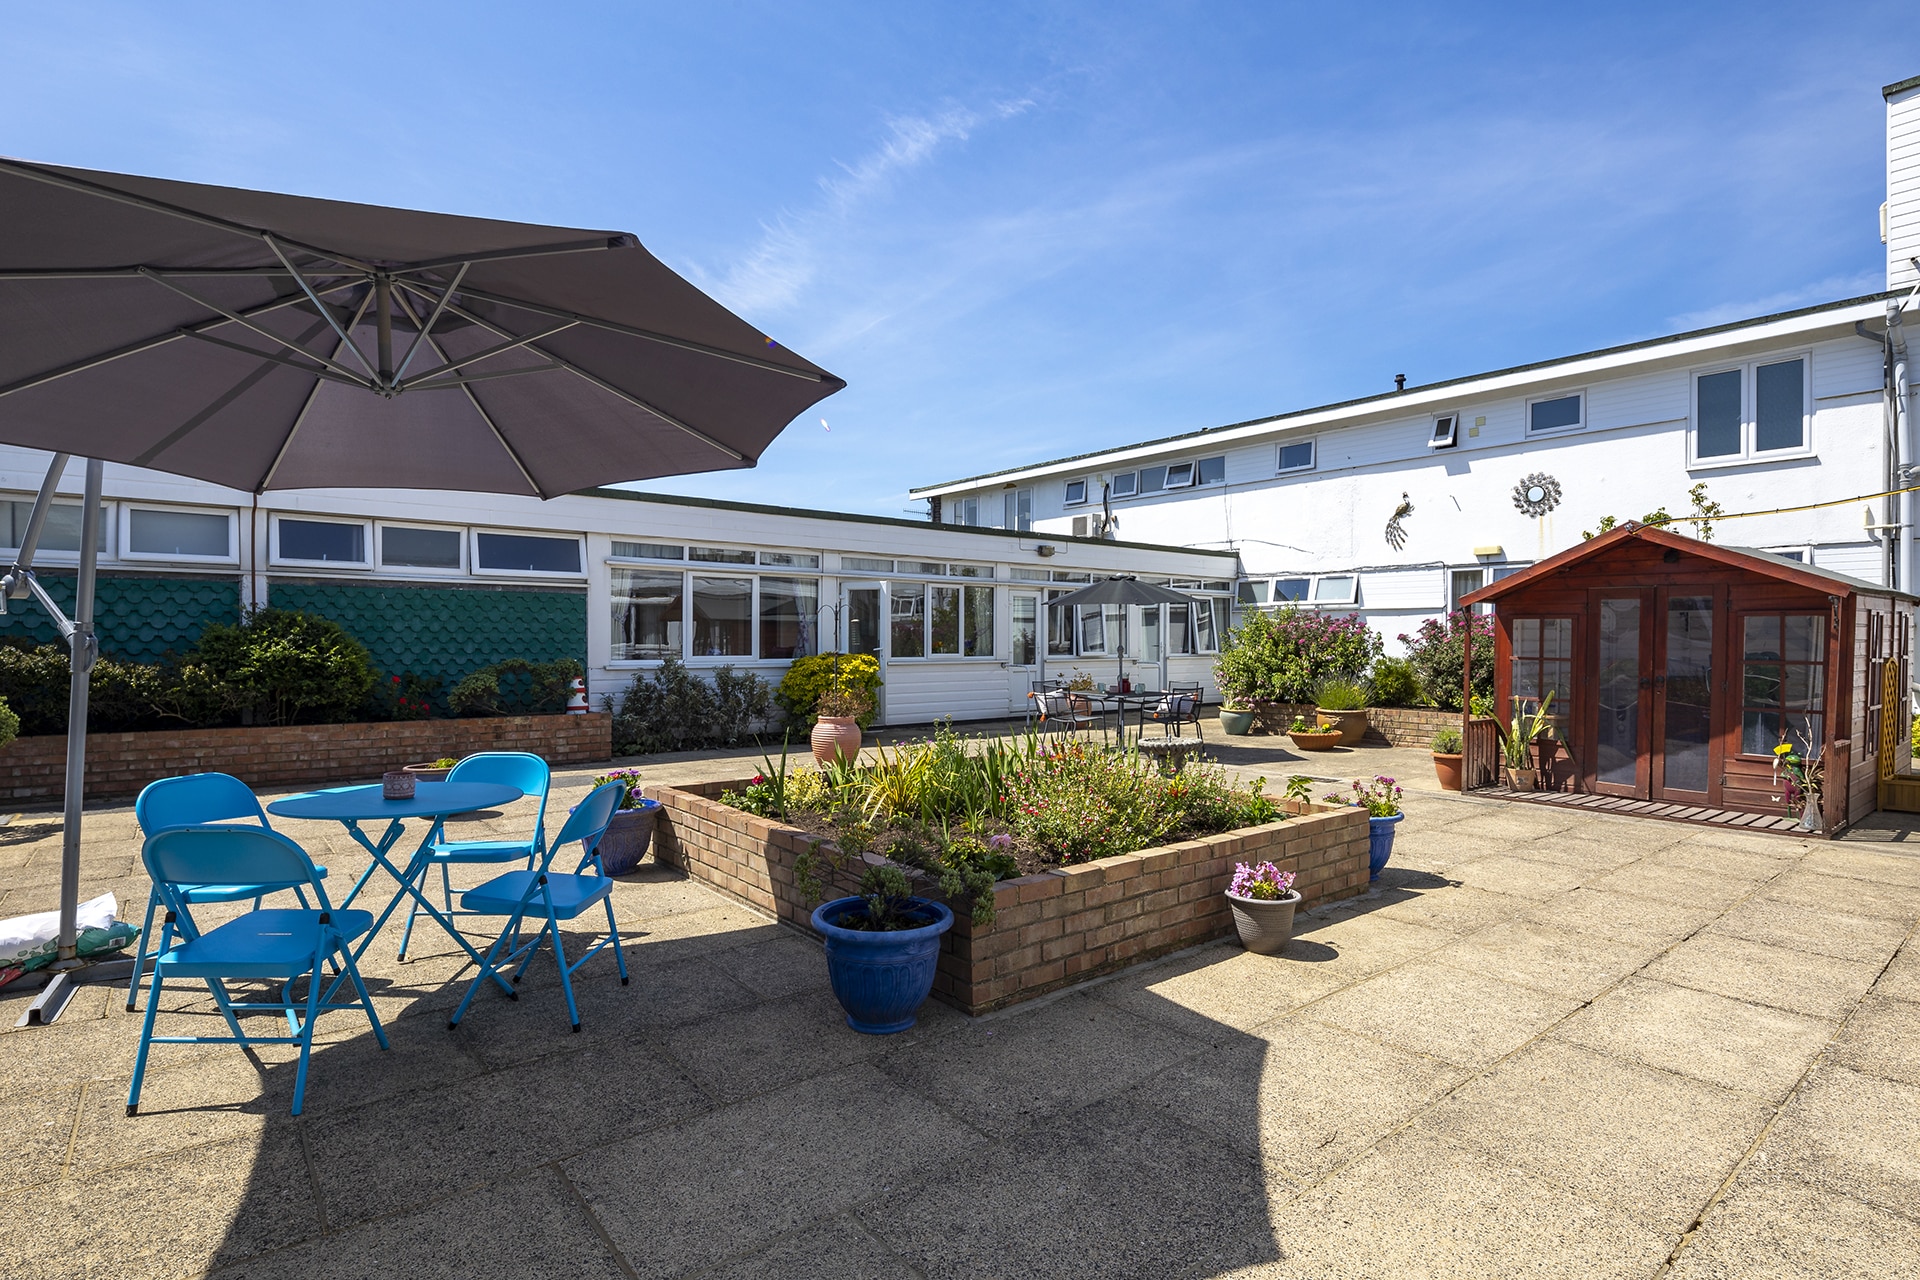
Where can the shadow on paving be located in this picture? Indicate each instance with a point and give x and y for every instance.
(717, 1117)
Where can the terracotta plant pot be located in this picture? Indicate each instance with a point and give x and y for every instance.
(1351, 724)
(429, 772)
(1317, 740)
(836, 738)
(1448, 769)
(1235, 723)
(1522, 779)
(1265, 925)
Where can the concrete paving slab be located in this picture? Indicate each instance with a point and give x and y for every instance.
(1518, 876)
(1222, 990)
(1901, 981)
(527, 1228)
(1125, 1189)
(1299, 1095)
(1709, 1037)
(1751, 861)
(1622, 917)
(1853, 1134)
(1882, 1038)
(762, 1169)
(36, 1129)
(1420, 1209)
(1459, 910)
(785, 964)
(1063, 1057)
(1649, 1143)
(1686, 886)
(1360, 941)
(1881, 865)
(1781, 1229)
(1847, 894)
(1535, 955)
(1871, 939)
(838, 1249)
(1580, 849)
(1429, 1008)
(1762, 974)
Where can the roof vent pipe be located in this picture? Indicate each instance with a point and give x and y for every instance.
(1399, 382)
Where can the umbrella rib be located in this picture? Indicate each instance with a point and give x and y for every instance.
(122, 273)
(401, 297)
(313, 394)
(441, 384)
(608, 387)
(433, 319)
(148, 344)
(618, 240)
(649, 335)
(268, 334)
(478, 356)
(310, 370)
(226, 398)
(327, 315)
(38, 174)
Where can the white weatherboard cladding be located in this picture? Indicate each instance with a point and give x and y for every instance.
(1420, 590)
(1903, 187)
(1857, 559)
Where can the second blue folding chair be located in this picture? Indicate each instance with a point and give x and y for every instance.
(518, 769)
(541, 897)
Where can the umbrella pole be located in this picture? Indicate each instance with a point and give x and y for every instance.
(84, 649)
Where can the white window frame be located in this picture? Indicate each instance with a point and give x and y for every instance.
(1072, 501)
(1802, 549)
(1198, 482)
(422, 571)
(962, 585)
(1313, 455)
(1133, 485)
(1446, 431)
(1191, 467)
(553, 575)
(109, 517)
(366, 541)
(1749, 412)
(1566, 393)
(164, 557)
(1351, 598)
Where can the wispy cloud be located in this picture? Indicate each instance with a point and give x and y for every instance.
(1828, 290)
(775, 273)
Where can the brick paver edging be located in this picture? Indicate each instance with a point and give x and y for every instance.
(119, 764)
(1052, 929)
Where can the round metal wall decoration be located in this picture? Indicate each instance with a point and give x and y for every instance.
(1537, 494)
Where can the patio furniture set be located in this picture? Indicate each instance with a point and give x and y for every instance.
(207, 841)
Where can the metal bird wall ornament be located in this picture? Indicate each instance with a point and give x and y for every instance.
(1396, 535)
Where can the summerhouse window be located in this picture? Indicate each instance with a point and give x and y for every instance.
(1543, 664)
(1783, 681)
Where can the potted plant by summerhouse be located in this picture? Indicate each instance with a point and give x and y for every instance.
(1381, 799)
(630, 831)
(1447, 757)
(1342, 705)
(1517, 744)
(1312, 738)
(1262, 898)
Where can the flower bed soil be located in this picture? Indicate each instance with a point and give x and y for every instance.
(1053, 927)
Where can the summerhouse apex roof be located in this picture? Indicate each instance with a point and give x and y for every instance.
(1752, 559)
(1319, 415)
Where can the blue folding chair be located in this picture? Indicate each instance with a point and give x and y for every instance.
(262, 945)
(551, 897)
(518, 769)
(194, 800)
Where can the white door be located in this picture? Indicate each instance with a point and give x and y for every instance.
(1025, 650)
(863, 629)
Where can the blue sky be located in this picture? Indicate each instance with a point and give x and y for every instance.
(1022, 231)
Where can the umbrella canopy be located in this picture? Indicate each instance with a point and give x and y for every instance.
(1121, 589)
(266, 341)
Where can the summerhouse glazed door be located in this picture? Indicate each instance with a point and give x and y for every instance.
(1683, 755)
(1623, 645)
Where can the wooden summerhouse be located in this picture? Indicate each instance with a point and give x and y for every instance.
(1677, 666)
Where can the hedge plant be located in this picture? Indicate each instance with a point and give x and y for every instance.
(1437, 651)
(9, 723)
(809, 677)
(676, 710)
(516, 687)
(1284, 656)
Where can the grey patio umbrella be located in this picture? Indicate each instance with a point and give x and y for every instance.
(264, 341)
(1121, 589)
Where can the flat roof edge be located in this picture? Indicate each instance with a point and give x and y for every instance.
(1901, 86)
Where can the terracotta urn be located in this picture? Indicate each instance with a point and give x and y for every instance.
(1315, 740)
(836, 738)
(1351, 724)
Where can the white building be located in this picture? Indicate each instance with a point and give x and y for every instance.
(1398, 504)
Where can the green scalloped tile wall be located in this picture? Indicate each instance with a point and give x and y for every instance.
(138, 619)
(446, 631)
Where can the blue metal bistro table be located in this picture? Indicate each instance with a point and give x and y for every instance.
(352, 806)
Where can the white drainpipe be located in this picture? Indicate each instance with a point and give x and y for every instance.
(1909, 448)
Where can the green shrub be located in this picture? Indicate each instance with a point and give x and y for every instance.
(35, 681)
(1437, 651)
(516, 687)
(676, 710)
(809, 677)
(1284, 655)
(1394, 683)
(275, 666)
(1447, 742)
(1340, 695)
(9, 723)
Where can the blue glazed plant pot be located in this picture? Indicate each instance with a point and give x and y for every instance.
(1380, 843)
(627, 837)
(881, 979)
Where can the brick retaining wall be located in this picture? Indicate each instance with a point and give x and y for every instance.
(119, 764)
(1052, 929)
(1393, 726)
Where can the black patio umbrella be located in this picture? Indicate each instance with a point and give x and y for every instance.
(1121, 589)
(264, 341)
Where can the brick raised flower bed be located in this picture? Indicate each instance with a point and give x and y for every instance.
(1049, 930)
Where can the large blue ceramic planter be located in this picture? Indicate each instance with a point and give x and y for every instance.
(881, 979)
(1380, 844)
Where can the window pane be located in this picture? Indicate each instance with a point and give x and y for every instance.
(1296, 457)
(648, 609)
(1759, 732)
(1334, 590)
(979, 622)
(1149, 634)
(1802, 692)
(1204, 634)
(719, 555)
(1464, 581)
(790, 559)
(524, 552)
(1256, 592)
(1026, 630)
(322, 540)
(1023, 510)
(723, 617)
(932, 568)
(419, 548)
(865, 564)
(61, 532)
(970, 570)
(1212, 470)
(1545, 415)
(649, 551)
(1059, 628)
(1153, 479)
(1093, 631)
(1806, 635)
(1124, 485)
(1804, 732)
(177, 533)
(1179, 475)
(1556, 638)
(1718, 431)
(945, 612)
(1179, 628)
(1526, 637)
(909, 620)
(1762, 636)
(1076, 492)
(1760, 687)
(1779, 405)
(789, 611)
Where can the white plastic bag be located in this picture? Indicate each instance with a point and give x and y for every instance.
(29, 942)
